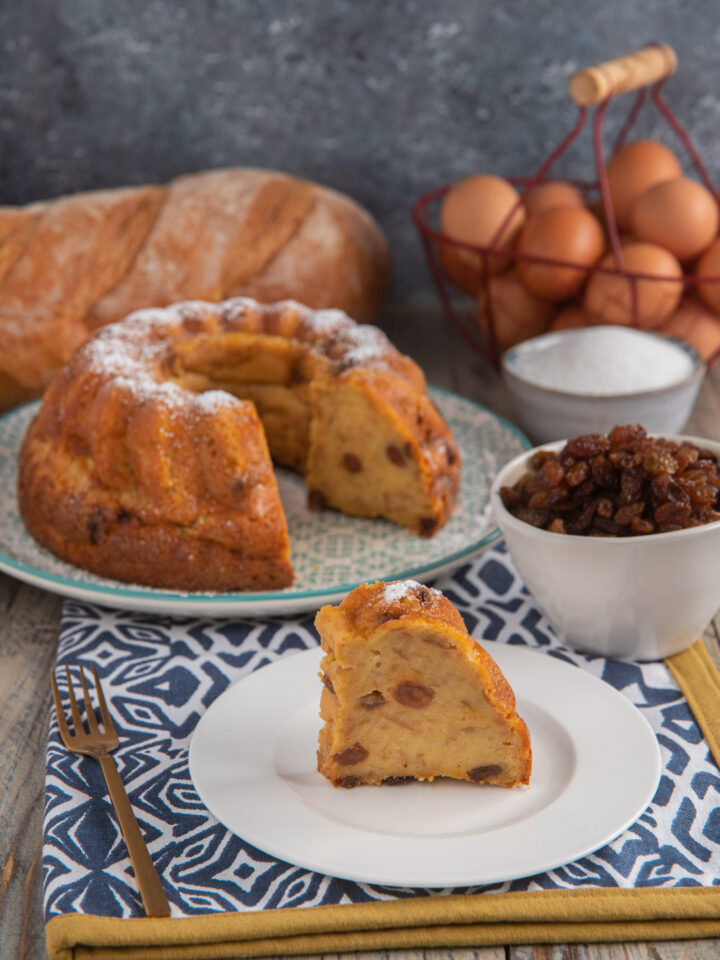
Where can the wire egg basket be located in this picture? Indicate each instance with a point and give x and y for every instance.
(476, 319)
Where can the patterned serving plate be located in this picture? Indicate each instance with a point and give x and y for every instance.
(331, 553)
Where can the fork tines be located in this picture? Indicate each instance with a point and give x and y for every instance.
(79, 729)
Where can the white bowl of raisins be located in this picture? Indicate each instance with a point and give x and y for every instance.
(617, 537)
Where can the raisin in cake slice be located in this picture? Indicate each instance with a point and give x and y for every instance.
(408, 694)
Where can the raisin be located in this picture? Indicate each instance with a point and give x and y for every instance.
(584, 492)
(631, 484)
(538, 459)
(372, 700)
(577, 473)
(608, 527)
(409, 693)
(619, 436)
(686, 456)
(642, 526)
(538, 500)
(428, 525)
(709, 469)
(395, 781)
(566, 458)
(660, 462)
(534, 485)
(538, 518)
(352, 463)
(557, 498)
(484, 772)
(663, 489)
(672, 515)
(510, 497)
(348, 782)
(603, 472)
(696, 486)
(557, 526)
(95, 525)
(296, 374)
(626, 514)
(589, 445)
(584, 519)
(352, 755)
(395, 455)
(604, 508)
(553, 473)
(620, 458)
(316, 500)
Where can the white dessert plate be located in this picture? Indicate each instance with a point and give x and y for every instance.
(596, 766)
(331, 553)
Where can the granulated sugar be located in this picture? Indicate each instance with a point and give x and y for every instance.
(603, 361)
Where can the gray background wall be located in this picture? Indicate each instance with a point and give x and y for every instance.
(383, 99)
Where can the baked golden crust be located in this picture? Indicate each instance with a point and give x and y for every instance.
(149, 460)
(409, 694)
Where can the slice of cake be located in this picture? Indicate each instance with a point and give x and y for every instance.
(408, 694)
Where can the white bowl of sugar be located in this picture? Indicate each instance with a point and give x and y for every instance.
(574, 382)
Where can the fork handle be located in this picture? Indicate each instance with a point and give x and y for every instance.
(148, 881)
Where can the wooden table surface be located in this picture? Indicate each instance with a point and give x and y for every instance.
(28, 630)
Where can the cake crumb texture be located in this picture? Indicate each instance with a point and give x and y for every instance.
(408, 694)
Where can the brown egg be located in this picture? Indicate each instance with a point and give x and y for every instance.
(570, 234)
(473, 211)
(517, 314)
(696, 325)
(680, 215)
(570, 318)
(609, 296)
(634, 169)
(552, 193)
(709, 266)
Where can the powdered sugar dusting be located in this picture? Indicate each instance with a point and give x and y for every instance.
(403, 588)
(134, 352)
(327, 323)
(354, 344)
(133, 364)
(366, 344)
(212, 401)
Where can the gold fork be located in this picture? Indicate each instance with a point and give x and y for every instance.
(99, 744)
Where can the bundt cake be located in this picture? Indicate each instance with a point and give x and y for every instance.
(408, 694)
(149, 459)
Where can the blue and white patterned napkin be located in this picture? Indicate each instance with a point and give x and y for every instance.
(162, 673)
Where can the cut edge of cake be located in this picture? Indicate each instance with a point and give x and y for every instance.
(409, 695)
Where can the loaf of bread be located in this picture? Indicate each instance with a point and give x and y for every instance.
(70, 265)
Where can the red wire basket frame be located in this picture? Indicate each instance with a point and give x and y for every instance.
(605, 90)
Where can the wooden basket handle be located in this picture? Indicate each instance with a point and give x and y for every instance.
(639, 69)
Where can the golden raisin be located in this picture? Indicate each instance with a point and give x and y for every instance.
(352, 755)
(409, 693)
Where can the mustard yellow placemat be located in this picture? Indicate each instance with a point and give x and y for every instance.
(658, 880)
